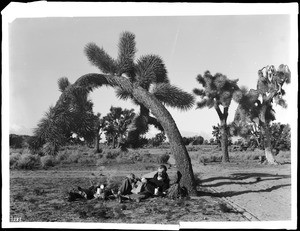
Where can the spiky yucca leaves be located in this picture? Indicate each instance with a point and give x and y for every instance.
(98, 57)
(148, 72)
(145, 98)
(63, 83)
(49, 130)
(256, 106)
(173, 96)
(126, 54)
(217, 90)
(73, 113)
(150, 69)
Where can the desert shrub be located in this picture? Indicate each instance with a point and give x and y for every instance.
(13, 159)
(192, 148)
(15, 141)
(131, 156)
(111, 153)
(208, 158)
(29, 161)
(103, 161)
(50, 149)
(284, 155)
(187, 140)
(62, 156)
(73, 157)
(251, 156)
(194, 155)
(157, 140)
(148, 158)
(163, 158)
(87, 160)
(48, 161)
(198, 140)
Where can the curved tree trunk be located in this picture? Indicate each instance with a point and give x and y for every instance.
(224, 141)
(183, 161)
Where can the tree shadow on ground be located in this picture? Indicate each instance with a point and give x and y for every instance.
(244, 176)
(236, 178)
(232, 193)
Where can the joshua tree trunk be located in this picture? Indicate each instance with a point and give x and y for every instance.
(224, 135)
(97, 146)
(267, 144)
(183, 161)
(267, 134)
(224, 141)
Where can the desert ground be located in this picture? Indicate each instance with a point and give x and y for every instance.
(242, 190)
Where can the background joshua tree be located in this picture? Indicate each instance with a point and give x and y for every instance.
(116, 125)
(133, 77)
(256, 106)
(217, 93)
(61, 122)
(99, 126)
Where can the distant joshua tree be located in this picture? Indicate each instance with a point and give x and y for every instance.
(144, 81)
(116, 124)
(256, 106)
(217, 93)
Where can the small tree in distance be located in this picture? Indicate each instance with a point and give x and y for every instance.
(116, 124)
(217, 93)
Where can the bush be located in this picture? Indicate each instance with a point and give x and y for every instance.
(87, 160)
(62, 156)
(163, 159)
(47, 161)
(28, 161)
(50, 149)
(198, 140)
(13, 160)
(111, 154)
(15, 141)
(73, 157)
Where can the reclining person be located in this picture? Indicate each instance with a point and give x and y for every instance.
(127, 185)
(147, 187)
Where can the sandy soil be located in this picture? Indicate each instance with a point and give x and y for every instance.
(262, 192)
(251, 192)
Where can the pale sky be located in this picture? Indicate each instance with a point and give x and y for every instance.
(41, 50)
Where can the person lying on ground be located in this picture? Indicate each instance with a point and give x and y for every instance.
(92, 192)
(146, 187)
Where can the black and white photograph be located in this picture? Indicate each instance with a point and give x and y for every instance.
(145, 116)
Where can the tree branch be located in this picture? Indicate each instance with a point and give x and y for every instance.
(220, 114)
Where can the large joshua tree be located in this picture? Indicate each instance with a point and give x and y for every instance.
(217, 93)
(256, 106)
(60, 122)
(135, 78)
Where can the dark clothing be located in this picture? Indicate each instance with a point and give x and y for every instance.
(126, 187)
(162, 184)
(89, 192)
(148, 188)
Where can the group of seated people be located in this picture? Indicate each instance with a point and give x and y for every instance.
(144, 187)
